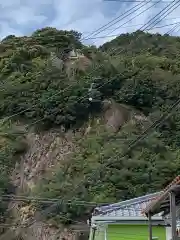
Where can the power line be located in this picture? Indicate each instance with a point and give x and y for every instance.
(146, 132)
(25, 110)
(143, 135)
(31, 107)
(154, 125)
(101, 85)
(144, 27)
(177, 30)
(135, 142)
(4, 225)
(136, 15)
(171, 8)
(47, 200)
(68, 202)
(131, 18)
(134, 25)
(68, 87)
(115, 35)
(99, 231)
(94, 33)
(112, 22)
(174, 28)
(49, 209)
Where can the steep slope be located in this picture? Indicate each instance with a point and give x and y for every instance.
(45, 151)
(144, 43)
(71, 153)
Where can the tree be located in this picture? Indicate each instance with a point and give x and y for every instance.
(12, 145)
(143, 71)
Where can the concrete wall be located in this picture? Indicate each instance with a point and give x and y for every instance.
(168, 233)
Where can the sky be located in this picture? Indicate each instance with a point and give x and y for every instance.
(22, 17)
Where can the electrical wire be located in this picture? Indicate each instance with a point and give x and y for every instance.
(177, 30)
(64, 217)
(18, 198)
(160, 14)
(115, 35)
(136, 15)
(106, 164)
(143, 28)
(148, 24)
(99, 232)
(78, 203)
(153, 126)
(3, 89)
(173, 29)
(137, 25)
(39, 120)
(68, 219)
(117, 19)
(42, 118)
(35, 105)
(5, 197)
(155, 2)
(111, 234)
(25, 110)
(167, 13)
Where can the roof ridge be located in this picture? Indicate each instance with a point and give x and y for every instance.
(115, 206)
(175, 181)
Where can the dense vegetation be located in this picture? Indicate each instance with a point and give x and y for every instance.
(144, 74)
(12, 145)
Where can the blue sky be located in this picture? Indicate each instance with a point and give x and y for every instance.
(22, 17)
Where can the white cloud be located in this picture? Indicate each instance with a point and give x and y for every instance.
(27, 15)
(82, 15)
(5, 30)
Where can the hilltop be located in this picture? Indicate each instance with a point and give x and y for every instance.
(60, 137)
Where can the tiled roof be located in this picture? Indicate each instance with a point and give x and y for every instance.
(176, 181)
(129, 208)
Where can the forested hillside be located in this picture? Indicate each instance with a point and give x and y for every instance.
(142, 71)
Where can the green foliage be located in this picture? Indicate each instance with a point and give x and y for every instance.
(31, 84)
(143, 71)
(12, 145)
(97, 173)
(139, 42)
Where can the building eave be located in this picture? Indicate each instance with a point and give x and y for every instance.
(115, 206)
(117, 218)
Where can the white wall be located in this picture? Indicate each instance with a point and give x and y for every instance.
(168, 233)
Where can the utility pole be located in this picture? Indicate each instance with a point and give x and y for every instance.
(150, 226)
(94, 228)
(173, 214)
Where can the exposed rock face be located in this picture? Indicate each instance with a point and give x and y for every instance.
(116, 115)
(40, 231)
(74, 62)
(77, 64)
(45, 151)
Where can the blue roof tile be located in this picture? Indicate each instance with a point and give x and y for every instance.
(128, 208)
